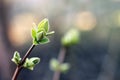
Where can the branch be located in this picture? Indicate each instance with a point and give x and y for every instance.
(19, 67)
(61, 58)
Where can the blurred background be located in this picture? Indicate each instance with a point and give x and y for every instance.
(96, 57)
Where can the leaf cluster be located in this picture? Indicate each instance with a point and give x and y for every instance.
(29, 62)
(40, 32)
(70, 38)
(55, 65)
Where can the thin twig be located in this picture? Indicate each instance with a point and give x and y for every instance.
(19, 67)
(61, 58)
(27, 54)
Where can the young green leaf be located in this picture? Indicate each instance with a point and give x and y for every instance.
(44, 24)
(30, 63)
(44, 40)
(41, 30)
(33, 33)
(40, 33)
(16, 58)
(54, 65)
(40, 36)
(35, 60)
(64, 67)
(70, 38)
(50, 33)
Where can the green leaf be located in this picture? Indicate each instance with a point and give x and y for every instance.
(50, 33)
(42, 29)
(44, 24)
(30, 63)
(30, 68)
(40, 35)
(35, 60)
(33, 33)
(64, 67)
(44, 40)
(54, 65)
(16, 58)
(70, 38)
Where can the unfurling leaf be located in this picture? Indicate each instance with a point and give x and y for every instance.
(44, 40)
(64, 67)
(54, 65)
(30, 63)
(44, 24)
(33, 33)
(70, 38)
(16, 58)
(50, 33)
(40, 33)
(35, 60)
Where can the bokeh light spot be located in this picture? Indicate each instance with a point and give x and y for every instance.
(20, 27)
(85, 21)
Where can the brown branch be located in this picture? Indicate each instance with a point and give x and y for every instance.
(61, 58)
(19, 67)
(27, 54)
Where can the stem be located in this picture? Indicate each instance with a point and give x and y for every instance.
(16, 73)
(61, 57)
(19, 67)
(27, 54)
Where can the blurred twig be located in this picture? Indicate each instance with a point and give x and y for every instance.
(61, 58)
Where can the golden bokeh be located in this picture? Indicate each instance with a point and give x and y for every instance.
(20, 27)
(85, 21)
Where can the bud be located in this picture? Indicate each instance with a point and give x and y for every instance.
(30, 63)
(16, 58)
(70, 38)
(40, 33)
(64, 67)
(54, 65)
